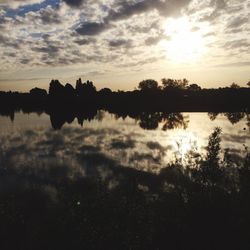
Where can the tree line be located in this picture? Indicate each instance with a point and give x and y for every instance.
(172, 95)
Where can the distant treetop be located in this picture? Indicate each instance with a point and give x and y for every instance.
(174, 84)
(234, 86)
(148, 84)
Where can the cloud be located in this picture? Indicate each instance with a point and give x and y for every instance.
(142, 62)
(25, 61)
(216, 9)
(123, 10)
(50, 49)
(50, 16)
(92, 28)
(9, 42)
(121, 144)
(153, 40)
(120, 43)
(74, 3)
(85, 41)
(237, 22)
(155, 146)
(18, 3)
(164, 7)
(194, 29)
(236, 64)
(235, 44)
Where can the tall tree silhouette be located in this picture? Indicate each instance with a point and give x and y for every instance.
(56, 89)
(148, 84)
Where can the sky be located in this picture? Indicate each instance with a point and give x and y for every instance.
(118, 43)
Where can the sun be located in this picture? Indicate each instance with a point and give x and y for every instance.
(184, 42)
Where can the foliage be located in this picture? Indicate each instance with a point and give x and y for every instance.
(194, 87)
(148, 84)
(213, 148)
(174, 84)
(234, 86)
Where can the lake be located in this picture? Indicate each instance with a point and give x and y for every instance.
(128, 142)
(115, 181)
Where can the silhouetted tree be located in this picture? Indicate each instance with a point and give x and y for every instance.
(213, 148)
(105, 91)
(85, 89)
(194, 87)
(69, 90)
(56, 88)
(234, 86)
(38, 92)
(148, 84)
(89, 87)
(248, 84)
(174, 84)
(78, 83)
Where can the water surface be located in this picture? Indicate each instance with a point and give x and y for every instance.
(31, 139)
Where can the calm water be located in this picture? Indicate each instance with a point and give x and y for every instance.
(107, 184)
(30, 140)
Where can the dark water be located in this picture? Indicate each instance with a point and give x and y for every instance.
(116, 183)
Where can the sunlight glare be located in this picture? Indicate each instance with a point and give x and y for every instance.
(184, 45)
(184, 143)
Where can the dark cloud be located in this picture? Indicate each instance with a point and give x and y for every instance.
(152, 40)
(92, 28)
(237, 22)
(235, 44)
(120, 43)
(74, 3)
(50, 49)
(233, 31)
(164, 7)
(25, 61)
(124, 10)
(121, 144)
(145, 157)
(235, 138)
(155, 145)
(89, 148)
(86, 41)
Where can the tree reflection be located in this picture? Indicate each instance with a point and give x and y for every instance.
(174, 120)
(169, 120)
(212, 115)
(248, 121)
(149, 121)
(233, 117)
(58, 119)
